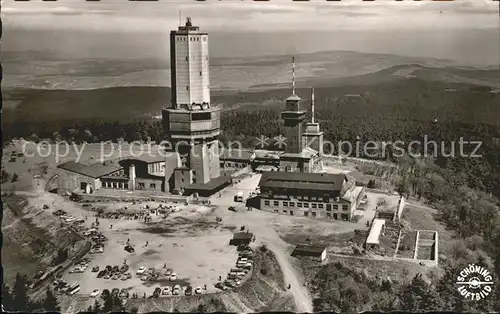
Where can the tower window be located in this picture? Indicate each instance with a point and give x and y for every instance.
(200, 73)
(187, 87)
(187, 58)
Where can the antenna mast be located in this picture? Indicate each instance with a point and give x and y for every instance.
(312, 105)
(180, 17)
(293, 75)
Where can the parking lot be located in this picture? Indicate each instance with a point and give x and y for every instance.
(189, 242)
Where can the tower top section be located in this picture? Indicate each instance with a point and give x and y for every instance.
(312, 105)
(187, 28)
(189, 64)
(293, 101)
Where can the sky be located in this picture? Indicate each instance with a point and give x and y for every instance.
(466, 30)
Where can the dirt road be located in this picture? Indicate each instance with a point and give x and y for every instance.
(261, 223)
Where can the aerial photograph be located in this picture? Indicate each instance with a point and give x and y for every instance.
(250, 156)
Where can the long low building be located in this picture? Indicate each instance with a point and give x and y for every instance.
(377, 228)
(317, 195)
(142, 173)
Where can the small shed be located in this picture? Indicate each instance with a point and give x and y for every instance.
(318, 252)
(241, 238)
(378, 227)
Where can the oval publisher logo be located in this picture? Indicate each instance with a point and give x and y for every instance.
(474, 282)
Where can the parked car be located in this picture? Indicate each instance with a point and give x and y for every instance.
(176, 290)
(95, 293)
(116, 277)
(129, 249)
(108, 268)
(197, 290)
(124, 268)
(95, 269)
(107, 276)
(115, 292)
(101, 274)
(141, 270)
(144, 277)
(126, 276)
(173, 277)
(116, 269)
(220, 286)
(168, 272)
(229, 283)
(166, 291)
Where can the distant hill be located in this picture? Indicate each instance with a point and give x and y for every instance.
(121, 103)
(32, 69)
(485, 77)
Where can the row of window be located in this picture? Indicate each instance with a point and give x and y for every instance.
(317, 199)
(234, 164)
(194, 58)
(191, 39)
(187, 87)
(329, 207)
(142, 185)
(314, 214)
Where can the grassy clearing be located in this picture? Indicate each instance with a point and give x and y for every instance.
(421, 218)
(407, 245)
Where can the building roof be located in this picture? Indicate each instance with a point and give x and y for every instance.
(351, 195)
(94, 171)
(308, 250)
(237, 154)
(266, 168)
(210, 185)
(301, 180)
(242, 236)
(306, 153)
(267, 154)
(374, 235)
(148, 158)
(294, 97)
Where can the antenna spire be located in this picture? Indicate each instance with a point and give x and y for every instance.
(312, 105)
(293, 75)
(180, 17)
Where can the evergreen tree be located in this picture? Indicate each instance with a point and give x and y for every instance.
(202, 308)
(20, 298)
(97, 307)
(418, 296)
(107, 301)
(7, 300)
(50, 303)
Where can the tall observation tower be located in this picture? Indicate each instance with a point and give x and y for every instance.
(190, 123)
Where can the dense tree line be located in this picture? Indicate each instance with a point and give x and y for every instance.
(17, 298)
(464, 190)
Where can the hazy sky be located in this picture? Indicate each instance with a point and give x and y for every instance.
(462, 29)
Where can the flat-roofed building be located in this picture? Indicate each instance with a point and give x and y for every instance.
(316, 195)
(241, 238)
(318, 252)
(377, 228)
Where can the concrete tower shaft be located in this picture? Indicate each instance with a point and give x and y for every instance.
(189, 67)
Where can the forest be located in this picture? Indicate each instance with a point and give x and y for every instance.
(465, 191)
